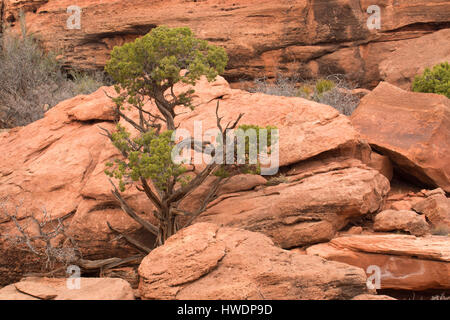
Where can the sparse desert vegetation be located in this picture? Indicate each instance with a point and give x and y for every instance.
(137, 163)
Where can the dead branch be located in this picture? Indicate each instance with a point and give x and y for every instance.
(51, 254)
(131, 240)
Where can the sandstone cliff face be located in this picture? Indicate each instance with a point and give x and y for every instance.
(262, 37)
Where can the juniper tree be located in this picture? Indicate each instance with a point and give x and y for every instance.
(147, 70)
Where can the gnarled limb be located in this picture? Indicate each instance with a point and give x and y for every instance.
(131, 240)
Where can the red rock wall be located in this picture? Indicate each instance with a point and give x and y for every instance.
(262, 37)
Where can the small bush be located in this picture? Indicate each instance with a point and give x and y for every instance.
(436, 80)
(87, 82)
(32, 81)
(324, 85)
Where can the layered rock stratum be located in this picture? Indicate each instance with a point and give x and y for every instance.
(262, 37)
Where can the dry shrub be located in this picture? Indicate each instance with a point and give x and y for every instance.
(333, 90)
(32, 81)
(281, 86)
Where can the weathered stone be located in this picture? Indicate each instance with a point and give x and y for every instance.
(382, 164)
(310, 38)
(58, 163)
(390, 220)
(205, 261)
(304, 212)
(412, 57)
(436, 208)
(412, 129)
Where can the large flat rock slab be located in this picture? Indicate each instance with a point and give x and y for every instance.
(304, 212)
(406, 262)
(206, 261)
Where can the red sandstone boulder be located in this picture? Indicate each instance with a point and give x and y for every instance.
(412, 129)
(382, 164)
(306, 211)
(437, 210)
(58, 163)
(205, 261)
(412, 57)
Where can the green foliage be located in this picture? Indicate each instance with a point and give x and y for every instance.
(324, 85)
(148, 157)
(87, 82)
(147, 70)
(252, 147)
(222, 172)
(440, 230)
(156, 61)
(436, 80)
(305, 91)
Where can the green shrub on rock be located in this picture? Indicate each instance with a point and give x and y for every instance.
(436, 80)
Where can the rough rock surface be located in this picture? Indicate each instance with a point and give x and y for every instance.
(57, 289)
(403, 196)
(306, 129)
(297, 37)
(373, 297)
(206, 261)
(390, 220)
(412, 129)
(413, 56)
(406, 262)
(436, 208)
